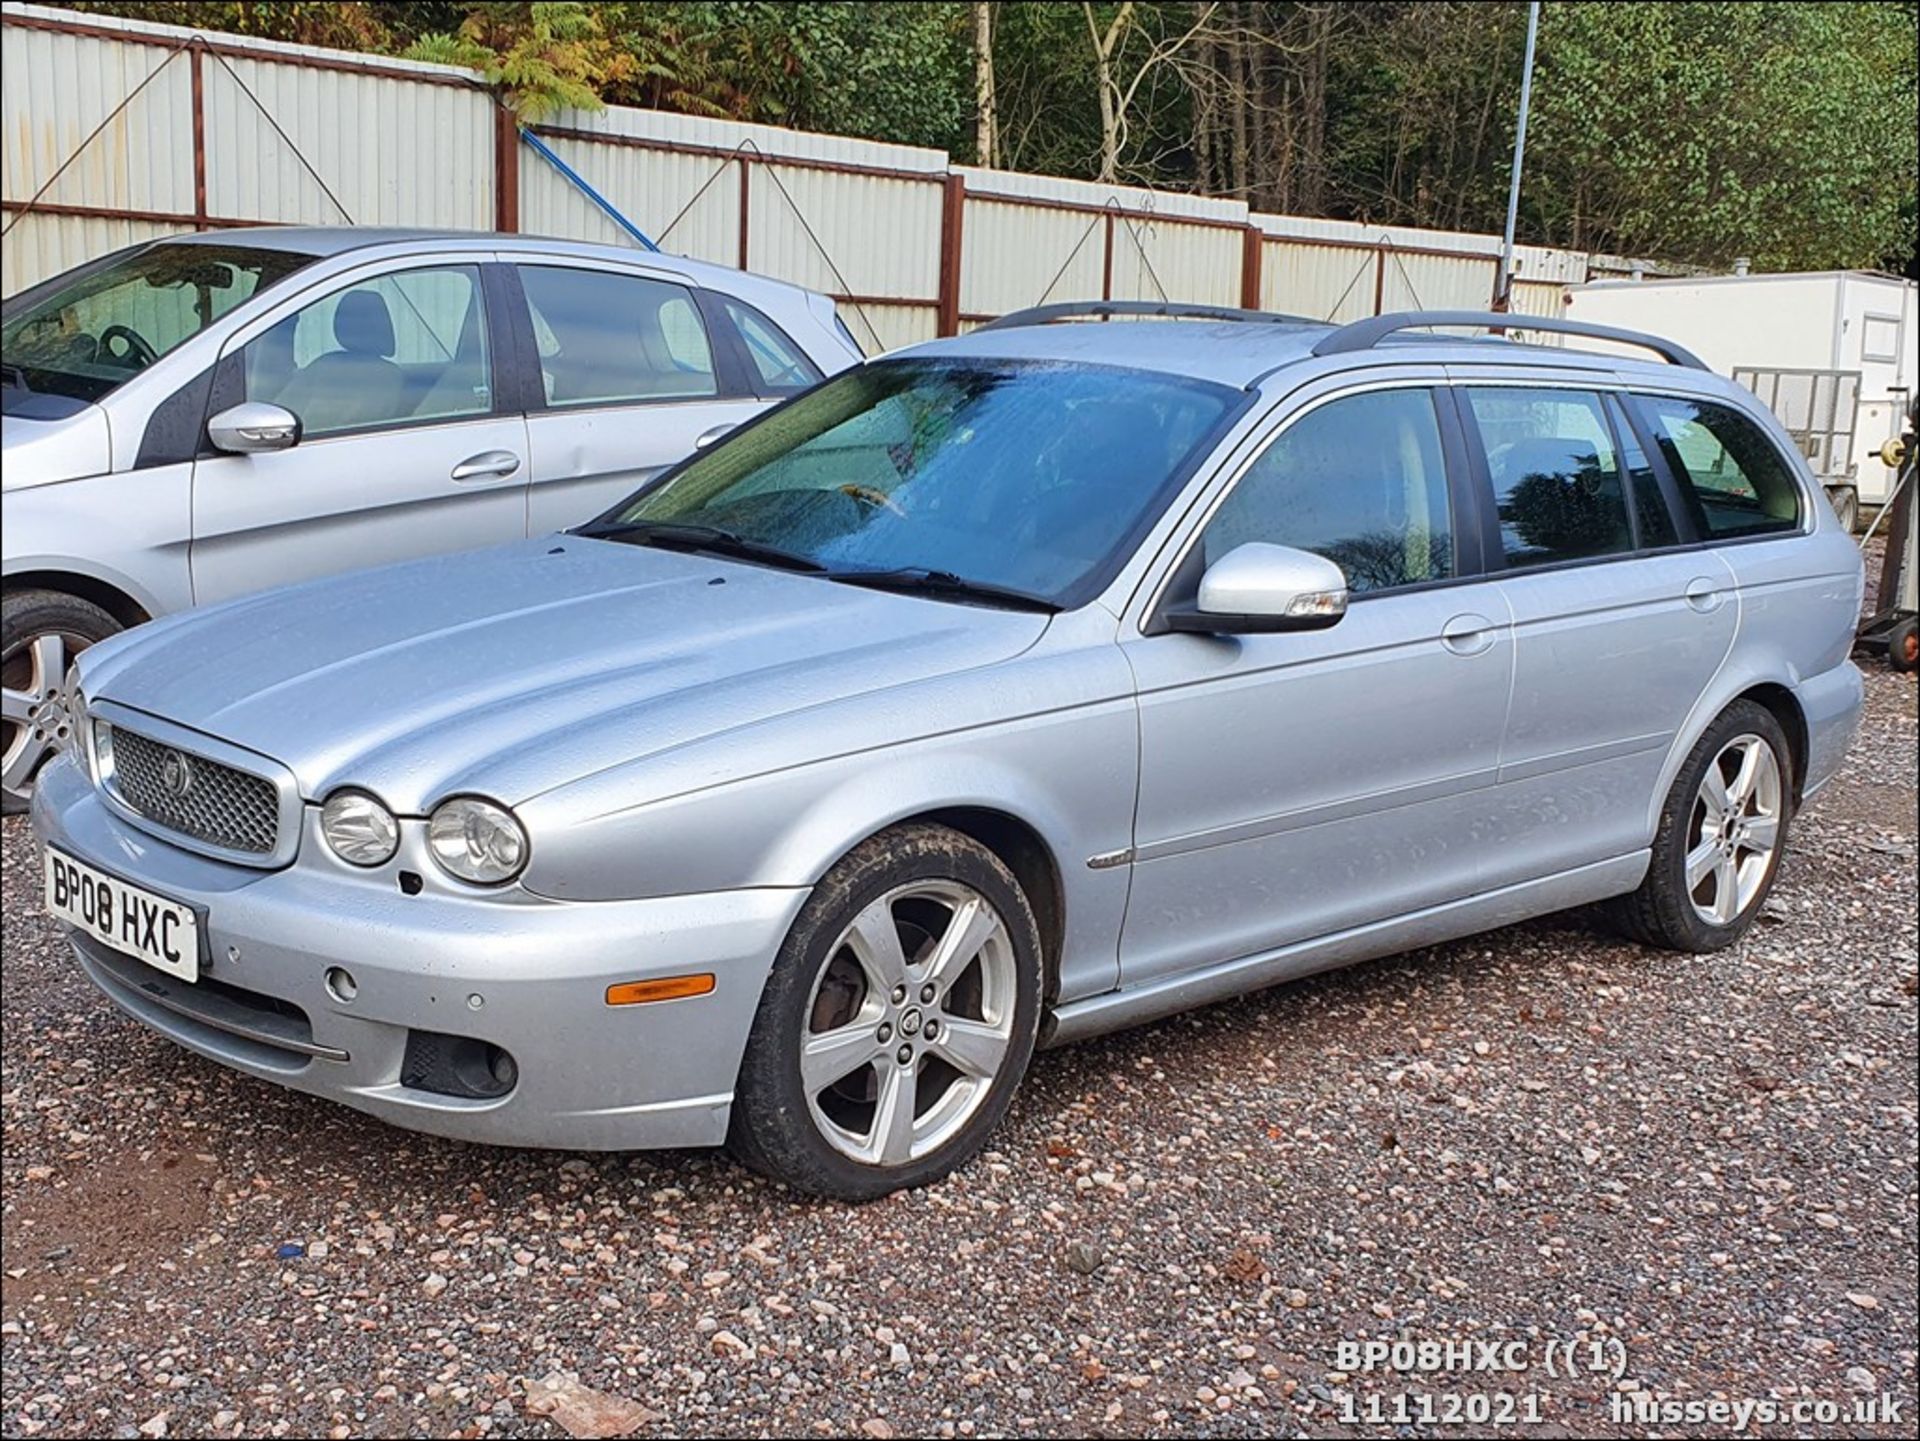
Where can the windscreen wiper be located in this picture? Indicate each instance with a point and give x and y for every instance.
(700, 539)
(944, 585)
(16, 377)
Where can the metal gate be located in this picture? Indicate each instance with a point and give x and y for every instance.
(1819, 409)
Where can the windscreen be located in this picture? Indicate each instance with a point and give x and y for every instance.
(1025, 475)
(81, 335)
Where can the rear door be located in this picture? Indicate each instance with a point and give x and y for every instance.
(411, 441)
(1619, 623)
(635, 371)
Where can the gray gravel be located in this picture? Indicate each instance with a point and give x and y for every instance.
(1536, 1134)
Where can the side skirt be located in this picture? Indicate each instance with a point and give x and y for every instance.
(1170, 995)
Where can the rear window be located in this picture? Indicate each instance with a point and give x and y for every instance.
(605, 338)
(1730, 475)
(781, 366)
(1557, 484)
(84, 334)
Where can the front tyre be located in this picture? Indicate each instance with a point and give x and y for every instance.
(900, 1015)
(1722, 830)
(41, 631)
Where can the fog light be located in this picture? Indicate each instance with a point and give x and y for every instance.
(341, 984)
(502, 1066)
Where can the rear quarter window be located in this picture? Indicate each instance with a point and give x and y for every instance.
(1729, 473)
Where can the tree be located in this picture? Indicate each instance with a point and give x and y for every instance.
(986, 139)
(542, 56)
(1704, 131)
(1117, 95)
(1689, 130)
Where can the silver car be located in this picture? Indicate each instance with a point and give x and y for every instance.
(198, 417)
(1003, 691)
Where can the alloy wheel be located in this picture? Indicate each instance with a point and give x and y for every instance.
(908, 1023)
(1735, 830)
(35, 706)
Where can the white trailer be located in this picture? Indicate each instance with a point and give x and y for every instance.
(1831, 352)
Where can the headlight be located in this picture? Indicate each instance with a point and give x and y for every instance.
(81, 732)
(477, 840)
(359, 830)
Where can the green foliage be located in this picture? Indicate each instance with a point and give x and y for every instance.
(895, 72)
(1693, 130)
(342, 24)
(543, 56)
(1710, 130)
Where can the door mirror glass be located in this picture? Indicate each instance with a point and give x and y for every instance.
(253, 427)
(1257, 587)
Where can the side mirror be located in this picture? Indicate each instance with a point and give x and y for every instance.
(252, 427)
(1258, 588)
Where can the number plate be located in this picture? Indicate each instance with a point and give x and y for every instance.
(137, 923)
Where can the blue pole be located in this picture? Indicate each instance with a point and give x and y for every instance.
(545, 152)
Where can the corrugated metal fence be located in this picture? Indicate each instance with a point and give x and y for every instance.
(225, 131)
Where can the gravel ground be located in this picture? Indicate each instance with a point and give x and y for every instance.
(1537, 1134)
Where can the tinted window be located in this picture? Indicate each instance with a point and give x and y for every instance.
(1024, 475)
(1650, 511)
(1360, 481)
(411, 346)
(80, 337)
(1735, 480)
(780, 364)
(1557, 486)
(605, 338)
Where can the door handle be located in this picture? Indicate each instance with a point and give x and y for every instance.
(1704, 595)
(1467, 634)
(487, 465)
(707, 437)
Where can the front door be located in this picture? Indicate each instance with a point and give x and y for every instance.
(1296, 785)
(403, 451)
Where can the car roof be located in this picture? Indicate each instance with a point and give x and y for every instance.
(1230, 352)
(327, 241)
(1241, 353)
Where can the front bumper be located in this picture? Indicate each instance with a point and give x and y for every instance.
(526, 974)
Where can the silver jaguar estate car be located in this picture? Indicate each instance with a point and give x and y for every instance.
(197, 417)
(1002, 691)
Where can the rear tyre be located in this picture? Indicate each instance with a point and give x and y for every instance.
(900, 1015)
(1846, 505)
(1903, 646)
(41, 631)
(1720, 837)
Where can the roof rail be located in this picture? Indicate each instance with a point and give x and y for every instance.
(1365, 334)
(1166, 309)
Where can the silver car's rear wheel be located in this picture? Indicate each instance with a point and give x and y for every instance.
(1719, 837)
(1734, 833)
(909, 1022)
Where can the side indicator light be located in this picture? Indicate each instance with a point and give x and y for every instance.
(667, 988)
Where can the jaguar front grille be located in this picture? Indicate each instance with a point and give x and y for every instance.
(206, 800)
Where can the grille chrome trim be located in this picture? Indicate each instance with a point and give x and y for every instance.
(286, 791)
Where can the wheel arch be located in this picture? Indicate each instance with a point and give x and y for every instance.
(1769, 689)
(114, 599)
(1780, 702)
(1025, 852)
